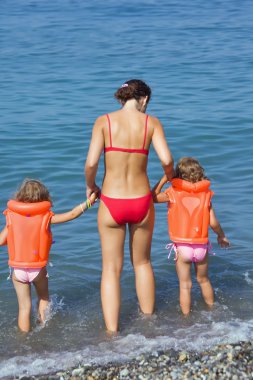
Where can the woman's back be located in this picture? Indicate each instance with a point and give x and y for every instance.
(127, 137)
(126, 199)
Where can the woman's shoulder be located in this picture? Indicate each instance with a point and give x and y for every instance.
(153, 118)
(154, 121)
(104, 118)
(101, 121)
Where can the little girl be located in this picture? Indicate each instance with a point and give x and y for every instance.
(190, 213)
(28, 236)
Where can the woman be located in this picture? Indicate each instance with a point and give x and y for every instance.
(125, 137)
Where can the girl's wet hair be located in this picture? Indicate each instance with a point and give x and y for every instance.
(132, 89)
(189, 169)
(32, 190)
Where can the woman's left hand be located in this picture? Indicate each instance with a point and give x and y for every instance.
(94, 189)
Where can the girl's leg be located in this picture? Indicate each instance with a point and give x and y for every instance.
(201, 269)
(140, 246)
(112, 238)
(41, 286)
(185, 283)
(23, 291)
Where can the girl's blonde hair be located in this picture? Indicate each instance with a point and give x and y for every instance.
(32, 190)
(189, 169)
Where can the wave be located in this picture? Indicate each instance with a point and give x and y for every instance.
(121, 348)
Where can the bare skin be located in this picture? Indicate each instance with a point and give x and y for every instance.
(3, 236)
(23, 290)
(183, 266)
(125, 177)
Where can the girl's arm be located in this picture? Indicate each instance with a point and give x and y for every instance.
(162, 149)
(158, 196)
(216, 227)
(95, 150)
(3, 236)
(74, 213)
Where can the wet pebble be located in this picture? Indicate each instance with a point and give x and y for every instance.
(222, 362)
(123, 373)
(78, 372)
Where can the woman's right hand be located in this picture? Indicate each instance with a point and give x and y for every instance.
(164, 179)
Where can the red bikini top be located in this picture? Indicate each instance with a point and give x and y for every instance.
(128, 150)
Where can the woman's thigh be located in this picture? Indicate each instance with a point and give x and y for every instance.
(112, 236)
(141, 237)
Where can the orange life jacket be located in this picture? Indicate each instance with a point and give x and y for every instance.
(189, 211)
(29, 236)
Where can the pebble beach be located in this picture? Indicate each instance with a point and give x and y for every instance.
(229, 361)
(61, 63)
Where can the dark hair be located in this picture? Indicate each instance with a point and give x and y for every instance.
(132, 89)
(31, 191)
(189, 169)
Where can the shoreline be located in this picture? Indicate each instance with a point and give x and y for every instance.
(227, 361)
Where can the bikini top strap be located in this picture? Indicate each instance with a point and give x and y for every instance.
(145, 132)
(109, 129)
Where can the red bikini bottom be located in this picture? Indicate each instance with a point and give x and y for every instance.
(128, 210)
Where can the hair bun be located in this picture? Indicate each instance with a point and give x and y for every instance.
(132, 89)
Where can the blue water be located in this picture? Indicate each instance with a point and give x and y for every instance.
(61, 63)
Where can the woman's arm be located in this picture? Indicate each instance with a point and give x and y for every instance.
(95, 150)
(216, 227)
(162, 149)
(75, 212)
(158, 196)
(3, 236)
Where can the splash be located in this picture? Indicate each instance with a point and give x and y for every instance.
(247, 278)
(55, 306)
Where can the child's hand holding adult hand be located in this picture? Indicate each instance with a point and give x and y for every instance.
(94, 197)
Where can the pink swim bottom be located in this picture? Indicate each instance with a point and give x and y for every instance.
(26, 275)
(192, 252)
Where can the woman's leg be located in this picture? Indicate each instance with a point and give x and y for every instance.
(140, 246)
(41, 286)
(112, 238)
(185, 283)
(201, 269)
(23, 291)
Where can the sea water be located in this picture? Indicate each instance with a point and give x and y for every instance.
(61, 63)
